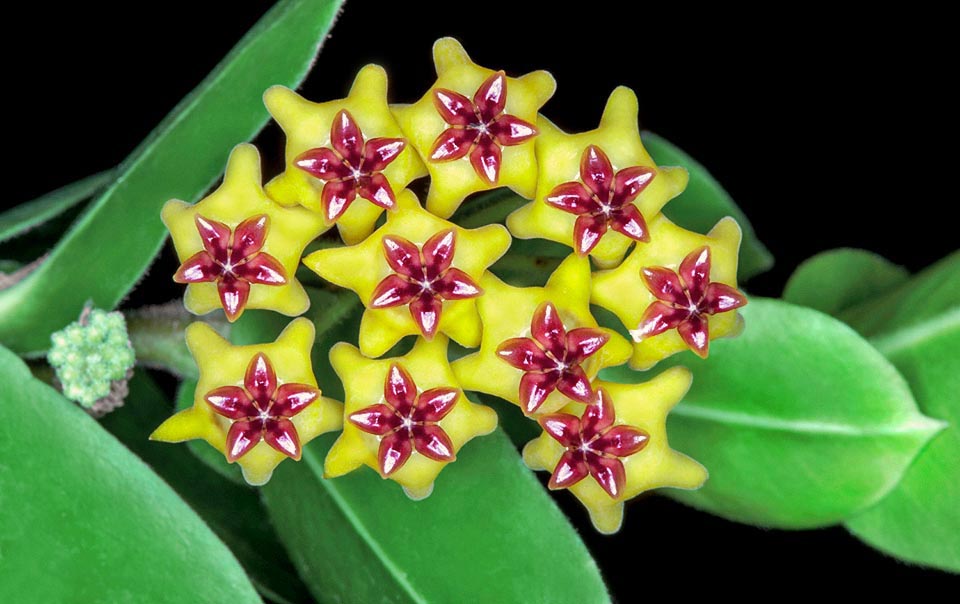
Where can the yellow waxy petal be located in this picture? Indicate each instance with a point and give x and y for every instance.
(223, 364)
(623, 292)
(307, 126)
(363, 383)
(506, 312)
(558, 156)
(644, 406)
(452, 181)
(363, 266)
(238, 198)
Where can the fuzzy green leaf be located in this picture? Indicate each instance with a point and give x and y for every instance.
(20, 219)
(82, 519)
(704, 202)
(800, 421)
(121, 232)
(836, 280)
(919, 520)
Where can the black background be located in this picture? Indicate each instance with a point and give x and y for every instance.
(821, 125)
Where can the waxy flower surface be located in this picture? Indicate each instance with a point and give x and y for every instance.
(615, 448)
(675, 295)
(407, 416)
(597, 190)
(475, 128)
(257, 404)
(416, 275)
(540, 346)
(345, 159)
(237, 248)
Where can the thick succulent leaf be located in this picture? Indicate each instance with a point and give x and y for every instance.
(919, 520)
(704, 202)
(799, 420)
(488, 533)
(837, 280)
(82, 519)
(20, 219)
(120, 232)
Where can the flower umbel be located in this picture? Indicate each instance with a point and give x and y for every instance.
(603, 199)
(684, 299)
(594, 446)
(479, 128)
(407, 421)
(352, 168)
(551, 359)
(234, 260)
(424, 278)
(261, 410)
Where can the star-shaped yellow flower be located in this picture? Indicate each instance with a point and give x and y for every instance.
(405, 417)
(626, 290)
(649, 464)
(417, 274)
(597, 190)
(325, 140)
(225, 367)
(540, 346)
(238, 248)
(475, 128)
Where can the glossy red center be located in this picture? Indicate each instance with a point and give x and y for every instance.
(233, 260)
(479, 128)
(685, 298)
(423, 278)
(352, 167)
(408, 421)
(594, 446)
(261, 410)
(550, 359)
(603, 199)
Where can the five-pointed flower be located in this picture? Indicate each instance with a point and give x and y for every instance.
(256, 404)
(602, 199)
(407, 416)
(261, 410)
(363, 154)
(541, 346)
(479, 144)
(594, 446)
(234, 260)
(416, 275)
(408, 420)
(597, 190)
(621, 441)
(238, 248)
(353, 167)
(685, 281)
(684, 300)
(479, 128)
(423, 278)
(551, 358)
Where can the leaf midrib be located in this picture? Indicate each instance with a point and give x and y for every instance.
(896, 341)
(361, 529)
(919, 424)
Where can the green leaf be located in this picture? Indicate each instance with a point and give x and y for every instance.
(235, 513)
(20, 219)
(836, 280)
(83, 520)
(919, 520)
(800, 421)
(108, 249)
(704, 202)
(488, 208)
(488, 533)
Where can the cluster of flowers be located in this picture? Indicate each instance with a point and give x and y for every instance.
(420, 274)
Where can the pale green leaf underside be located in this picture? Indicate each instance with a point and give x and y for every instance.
(20, 219)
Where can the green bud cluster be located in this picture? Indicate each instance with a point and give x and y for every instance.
(89, 354)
